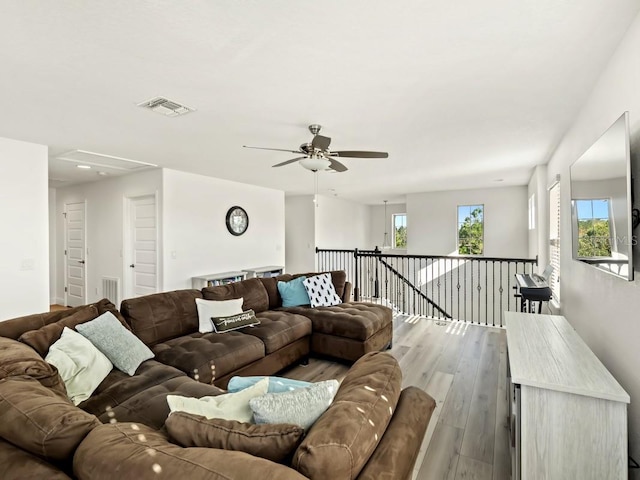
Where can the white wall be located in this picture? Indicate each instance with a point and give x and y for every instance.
(341, 224)
(24, 243)
(432, 221)
(333, 224)
(196, 239)
(300, 234)
(604, 309)
(105, 214)
(379, 222)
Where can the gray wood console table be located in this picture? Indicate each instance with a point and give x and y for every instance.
(568, 415)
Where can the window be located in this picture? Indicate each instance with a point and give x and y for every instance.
(470, 229)
(554, 240)
(399, 230)
(594, 227)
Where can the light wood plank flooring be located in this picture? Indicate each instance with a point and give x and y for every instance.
(55, 307)
(463, 367)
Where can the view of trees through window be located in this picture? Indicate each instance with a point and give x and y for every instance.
(470, 229)
(400, 230)
(594, 228)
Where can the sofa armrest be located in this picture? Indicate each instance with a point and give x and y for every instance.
(18, 464)
(346, 295)
(396, 454)
(129, 450)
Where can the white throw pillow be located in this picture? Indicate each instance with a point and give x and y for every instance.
(80, 364)
(216, 308)
(321, 291)
(229, 406)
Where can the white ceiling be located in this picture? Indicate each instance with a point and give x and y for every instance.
(459, 93)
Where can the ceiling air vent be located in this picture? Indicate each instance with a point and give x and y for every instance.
(166, 107)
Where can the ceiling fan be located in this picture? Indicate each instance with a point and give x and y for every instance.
(317, 156)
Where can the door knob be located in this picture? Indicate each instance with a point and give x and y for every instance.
(81, 261)
(132, 266)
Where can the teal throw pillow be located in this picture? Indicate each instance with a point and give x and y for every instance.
(276, 384)
(293, 293)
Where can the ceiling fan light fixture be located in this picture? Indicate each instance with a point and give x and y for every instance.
(315, 163)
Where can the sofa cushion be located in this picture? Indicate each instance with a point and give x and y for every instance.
(80, 364)
(354, 320)
(139, 452)
(270, 284)
(42, 338)
(15, 327)
(143, 397)
(301, 406)
(17, 359)
(274, 442)
(162, 316)
(208, 309)
(229, 406)
(40, 420)
(122, 348)
(251, 290)
(18, 464)
(198, 353)
(278, 329)
(392, 458)
(344, 437)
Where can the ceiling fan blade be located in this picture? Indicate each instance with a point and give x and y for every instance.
(287, 162)
(359, 154)
(337, 166)
(275, 149)
(320, 142)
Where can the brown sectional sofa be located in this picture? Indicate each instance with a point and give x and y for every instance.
(124, 435)
(168, 323)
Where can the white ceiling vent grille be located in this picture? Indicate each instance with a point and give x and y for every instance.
(166, 107)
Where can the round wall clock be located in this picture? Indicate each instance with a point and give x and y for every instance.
(237, 220)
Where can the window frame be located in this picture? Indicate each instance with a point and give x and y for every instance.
(458, 224)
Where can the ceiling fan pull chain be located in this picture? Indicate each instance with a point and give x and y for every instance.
(315, 181)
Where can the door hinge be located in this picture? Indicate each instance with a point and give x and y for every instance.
(65, 252)
(65, 289)
(65, 214)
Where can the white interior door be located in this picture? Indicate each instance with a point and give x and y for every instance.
(142, 233)
(75, 250)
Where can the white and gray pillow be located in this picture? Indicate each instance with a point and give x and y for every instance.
(123, 348)
(302, 406)
(80, 364)
(321, 291)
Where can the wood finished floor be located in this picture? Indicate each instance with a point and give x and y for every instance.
(55, 307)
(463, 367)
